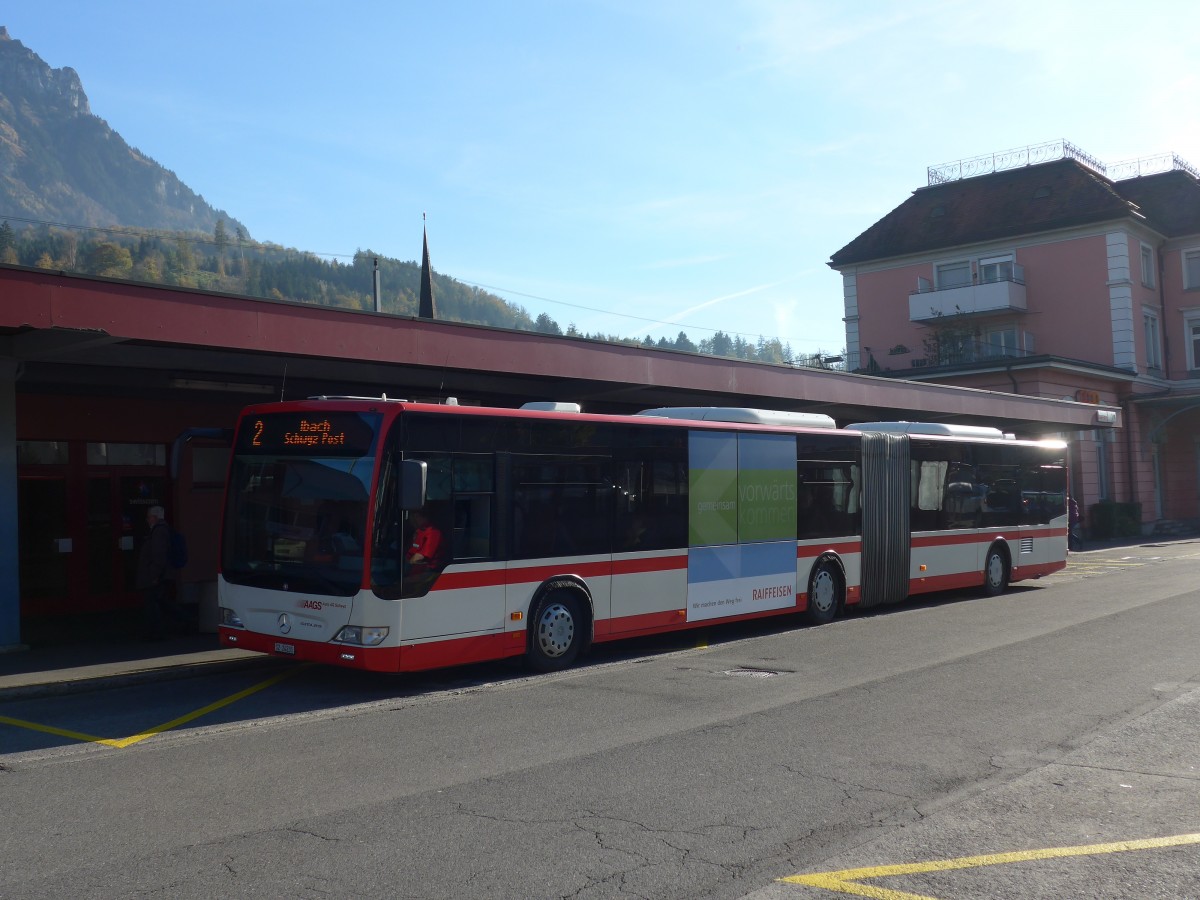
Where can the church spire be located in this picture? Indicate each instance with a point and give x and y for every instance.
(425, 307)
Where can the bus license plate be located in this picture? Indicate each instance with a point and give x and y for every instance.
(281, 647)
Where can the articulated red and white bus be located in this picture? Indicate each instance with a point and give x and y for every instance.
(544, 530)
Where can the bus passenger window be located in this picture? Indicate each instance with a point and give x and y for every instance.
(472, 527)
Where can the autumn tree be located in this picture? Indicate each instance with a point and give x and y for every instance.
(109, 260)
(148, 268)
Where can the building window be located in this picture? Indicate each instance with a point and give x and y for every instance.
(1001, 342)
(957, 274)
(1193, 342)
(996, 268)
(1147, 265)
(1191, 269)
(1153, 336)
(42, 453)
(110, 454)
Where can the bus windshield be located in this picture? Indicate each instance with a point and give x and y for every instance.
(297, 502)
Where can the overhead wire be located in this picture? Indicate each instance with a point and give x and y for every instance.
(502, 291)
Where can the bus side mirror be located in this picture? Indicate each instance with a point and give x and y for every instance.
(412, 483)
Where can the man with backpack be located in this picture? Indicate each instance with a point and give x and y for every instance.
(157, 569)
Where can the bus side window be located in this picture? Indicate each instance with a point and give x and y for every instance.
(472, 527)
(928, 479)
(651, 509)
(961, 506)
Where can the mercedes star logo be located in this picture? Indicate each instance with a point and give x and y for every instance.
(284, 625)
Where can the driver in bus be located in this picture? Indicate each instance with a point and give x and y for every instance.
(426, 552)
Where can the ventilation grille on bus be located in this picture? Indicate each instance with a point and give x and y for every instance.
(1026, 545)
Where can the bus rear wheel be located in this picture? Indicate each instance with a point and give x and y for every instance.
(824, 593)
(558, 627)
(995, 572)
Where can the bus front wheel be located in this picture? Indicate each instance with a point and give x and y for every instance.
(558, 630)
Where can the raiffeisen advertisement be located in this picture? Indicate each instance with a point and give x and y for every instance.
(742, 524)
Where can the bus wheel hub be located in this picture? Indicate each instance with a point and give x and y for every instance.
(556, 630)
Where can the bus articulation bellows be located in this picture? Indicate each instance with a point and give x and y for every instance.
(562, 529)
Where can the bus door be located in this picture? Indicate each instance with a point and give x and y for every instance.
(886, 538)
(462, 593)
(650, 534)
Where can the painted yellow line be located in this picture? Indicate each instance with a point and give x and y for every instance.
(50, 729)
(845, 881)
(122, 743)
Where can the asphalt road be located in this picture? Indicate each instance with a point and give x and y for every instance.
(984, 735)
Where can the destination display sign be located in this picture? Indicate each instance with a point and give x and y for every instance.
(309, 434)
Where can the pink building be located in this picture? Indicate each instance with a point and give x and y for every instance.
(1041, 272)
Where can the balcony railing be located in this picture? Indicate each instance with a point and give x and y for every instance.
(999, 295)
(957, 353)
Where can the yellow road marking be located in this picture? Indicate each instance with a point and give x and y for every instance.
(122, 743)
(50, 729)
(846, 880)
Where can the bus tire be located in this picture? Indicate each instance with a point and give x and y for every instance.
(995, 571)
(825, 590)
(558, 629)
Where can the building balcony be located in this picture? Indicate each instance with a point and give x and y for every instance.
(972, 352)
(1006, 295)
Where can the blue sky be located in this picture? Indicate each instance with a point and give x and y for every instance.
(630, 167)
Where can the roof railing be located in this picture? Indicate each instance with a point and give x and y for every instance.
(1036, 154)
(1152, 165)
(1011, 159)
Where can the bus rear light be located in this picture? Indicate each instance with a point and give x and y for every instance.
(230, 619)
(363, 635)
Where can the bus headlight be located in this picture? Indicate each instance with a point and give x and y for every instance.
(230, 619)
(363, 635)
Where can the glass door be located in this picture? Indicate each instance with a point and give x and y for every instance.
(135, 495)
(101, 540)
(45, 543)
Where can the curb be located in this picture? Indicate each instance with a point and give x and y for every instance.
(128, 678)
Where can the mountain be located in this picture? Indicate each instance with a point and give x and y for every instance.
(61, 163)
(62, 168)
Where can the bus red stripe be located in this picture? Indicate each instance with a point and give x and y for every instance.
(983, 536)
(527, 574)
(812, 551)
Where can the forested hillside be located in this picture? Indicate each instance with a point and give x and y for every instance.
(229, 262)
(75, 197)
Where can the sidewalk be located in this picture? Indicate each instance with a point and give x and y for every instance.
(84, 666)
